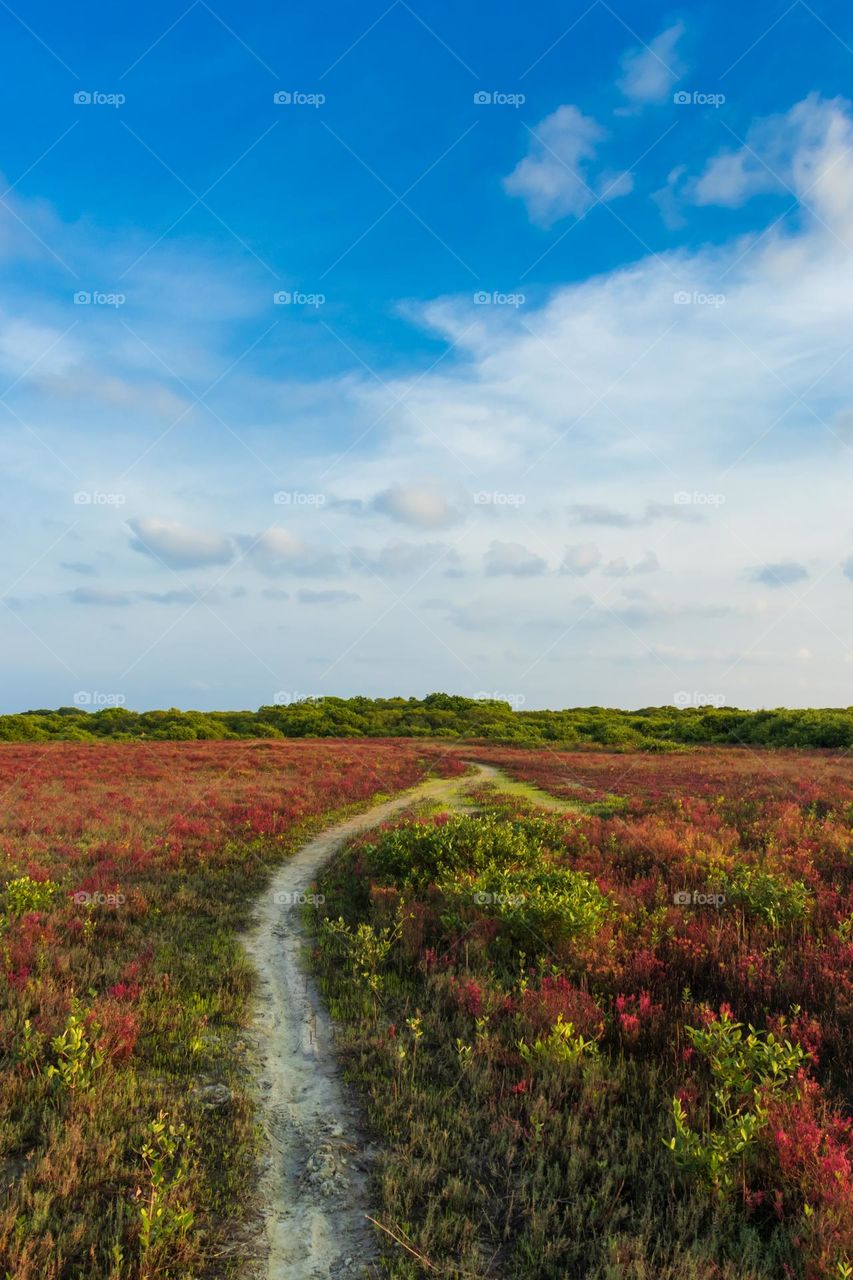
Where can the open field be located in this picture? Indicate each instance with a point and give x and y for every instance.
(544, 1009)
(127, 1140)
(614, 1042)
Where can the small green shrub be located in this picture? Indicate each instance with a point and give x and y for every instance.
(422, 853)
(746, 1071)
(25, 894)
(767, 897)
(77, 1057)
(538, 907)
(562, 1046)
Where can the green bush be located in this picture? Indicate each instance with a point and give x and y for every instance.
(24, 894)
(424, 853)
(768, 898)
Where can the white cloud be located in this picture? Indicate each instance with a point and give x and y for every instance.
(648, 564)
(277, 552)
(670, 198)
(404, 559)
(512, 559)
(554, 178)
(619, 567)
(800, 151)
(178, 545)
(424, 506)
(649, 72)
(602, 398)
(581, 559)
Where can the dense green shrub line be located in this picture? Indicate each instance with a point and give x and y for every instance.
(442, 715)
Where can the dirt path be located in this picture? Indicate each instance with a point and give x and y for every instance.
(314, 1186)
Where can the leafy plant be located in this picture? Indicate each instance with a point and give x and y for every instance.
(767, 897)
(25, 894)
(562, 1046)
(162, 1215)
(78, 1057)
(746, 1071)
(423, 853)
(365, 949)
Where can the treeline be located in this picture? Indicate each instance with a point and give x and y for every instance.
(442, 715)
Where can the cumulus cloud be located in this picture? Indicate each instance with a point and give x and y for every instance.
(403, 559)
(277, 552)
(650, 71)
(424, 506)
(554, 178)
(581, 559)
(620, 568)
(781, 574)
(797, 151)
(178, 545)
(512, 559)
(601, 390)
(648, 564)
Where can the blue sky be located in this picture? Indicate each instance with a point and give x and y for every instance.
(555, 400)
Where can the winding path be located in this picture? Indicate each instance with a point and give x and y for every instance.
(314, 1186)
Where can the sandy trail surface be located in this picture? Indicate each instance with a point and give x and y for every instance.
(314, 1185)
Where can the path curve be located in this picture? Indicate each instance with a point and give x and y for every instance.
(314, 1188)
